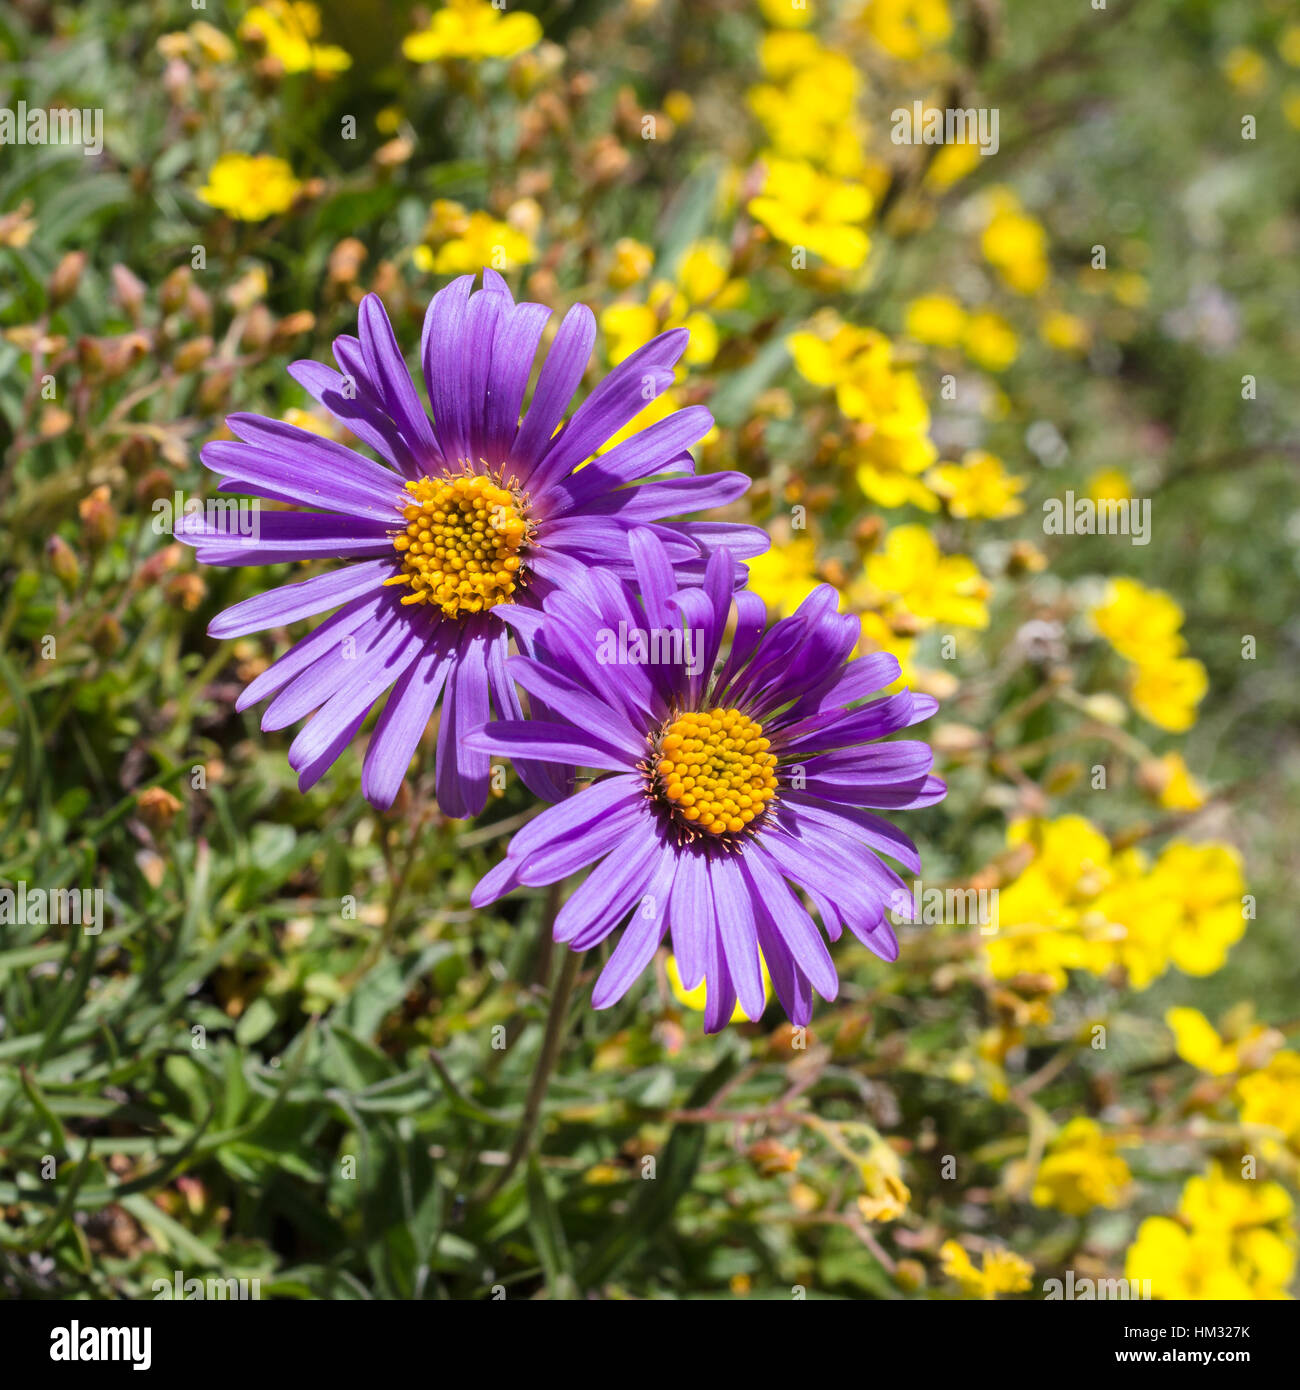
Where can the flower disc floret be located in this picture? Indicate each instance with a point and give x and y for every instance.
(714, 772)
(461, 549)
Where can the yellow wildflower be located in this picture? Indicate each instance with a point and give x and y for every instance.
(889, 465)
(887, 1196)
(702, 279)
(1129, 288)
(1140, 623)
(990, 341)
(878, 636)
(1167, 689)
(1015, 244)
(1270, 1097)
(1064, 332)
(788, 14)
(834, 353)
(632, 262)
(1040, 911)
(785, 575)
(1234, 1240)
(937, 319)
(978, 487)
(1288, 45)
(250, 187)
(1205, 883)
(1132, 923)
(1175, 787)
(289, 30)
(803, 207)
(1001, 1272)
(1199, 1043)
(933, 587)
(211, 42)
(695, 999)
(809, 108)
(679, 107)
(1081, 1170)
(1109, 485)
(907, 29)
(482, 240)
(951, 163)
(1291, 105)
(1246, 70)
(473, 29)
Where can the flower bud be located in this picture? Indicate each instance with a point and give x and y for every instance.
(63, 561)
(66, 278)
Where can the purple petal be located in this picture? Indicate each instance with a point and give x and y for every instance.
(560, 377)
(287, 604)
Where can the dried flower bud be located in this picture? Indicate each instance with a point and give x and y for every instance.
(770, 1157)
(129, 290)
(157, 807)
(98, 519)
(346, 260)
(187, 589)
(189, 357)
(107, 637)
(175, 289)
(63, 561)
(66, 278)
(259, 329)
(294, 324)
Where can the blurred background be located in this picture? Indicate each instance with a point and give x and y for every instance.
(294, 1055)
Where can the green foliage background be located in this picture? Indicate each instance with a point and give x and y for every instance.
(337, 1132)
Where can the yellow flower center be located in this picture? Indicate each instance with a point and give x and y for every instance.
(461, 546)
(714, 771)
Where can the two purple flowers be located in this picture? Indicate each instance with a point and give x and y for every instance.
(727, 782)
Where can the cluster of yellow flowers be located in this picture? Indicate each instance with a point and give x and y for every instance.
(460, 242)
(819, 186)
(906, 29)
(1267, 1076)
(473, 30)
(1143, 625)
(1232, 1239)
(1014, 244)
(1081, 1170)
(290, 32)
(1078, 905)
(701, 285)
(1000, 1271)
(891, 447)
(939, 320)
(251, 188)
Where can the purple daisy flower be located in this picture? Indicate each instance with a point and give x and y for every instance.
(463, 516)
(729, 784)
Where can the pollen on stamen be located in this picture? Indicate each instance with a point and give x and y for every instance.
(462, 547)
(713, 771)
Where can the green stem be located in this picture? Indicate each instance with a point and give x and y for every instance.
(552, 1042)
